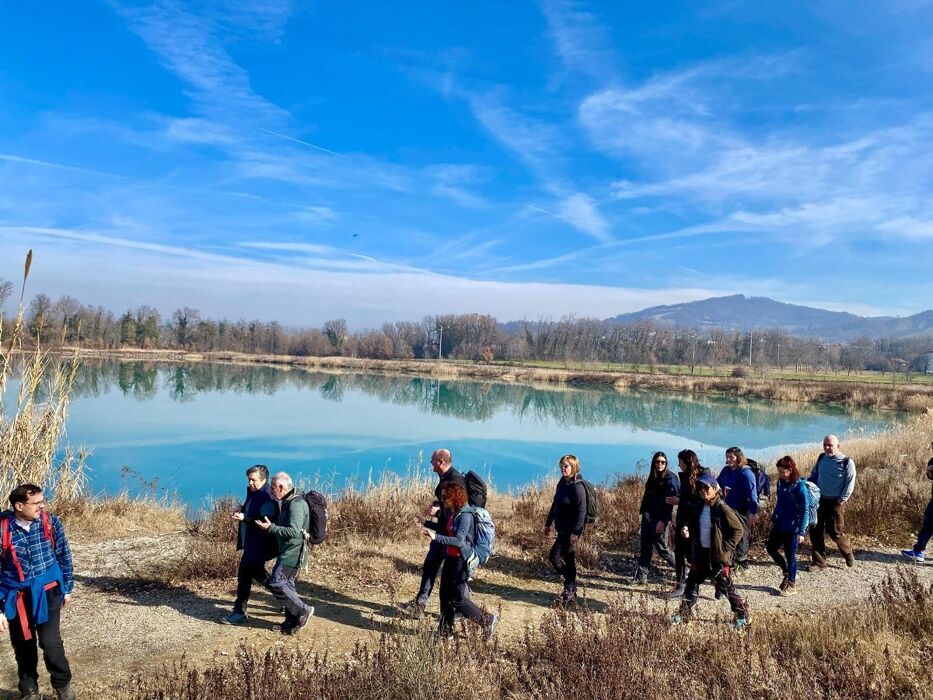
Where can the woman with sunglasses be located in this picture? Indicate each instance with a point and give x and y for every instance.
(656, 515)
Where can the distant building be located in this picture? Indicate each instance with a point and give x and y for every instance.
(925, 362)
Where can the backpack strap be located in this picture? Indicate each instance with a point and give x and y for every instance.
(49, 529)
(7, 538)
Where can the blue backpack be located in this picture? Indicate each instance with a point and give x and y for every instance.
(484, 537)
(813, 499)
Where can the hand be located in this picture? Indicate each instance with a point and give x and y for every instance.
(433, 510)
(672, 500)
(547, 530)
(685, 532)
(752, 518)
(660, 528)
(428, 533)
(4, 624)
(264, 524)
(800, 539)
(237, 516)
(65, 600)
(574, 539)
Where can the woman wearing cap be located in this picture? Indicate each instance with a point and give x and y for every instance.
(568, 515)
(790, 521)
(926, 531)
(655, 514)
(716, 531)
(688, 504)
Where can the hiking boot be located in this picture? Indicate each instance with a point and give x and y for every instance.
(491, 623)
(31, 694)
(784, 582)
(235, 618)
(414, 607)
(680, 618)
(567, 598)
(66, 693)
(789, 589)
(913, 555)
(678, 591)
(850, 559)
(640, 578)
(302, 621)
(740, 623)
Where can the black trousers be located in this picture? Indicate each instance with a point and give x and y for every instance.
(429, 570)
(563, 558)
(700, 570)
(741, 550)
(650, 539)
(682, 551)
(49, 640)
(246, 573)
(455, 593)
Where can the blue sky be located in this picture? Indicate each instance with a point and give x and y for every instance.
(380, 161)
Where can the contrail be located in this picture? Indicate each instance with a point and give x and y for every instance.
(303, 143)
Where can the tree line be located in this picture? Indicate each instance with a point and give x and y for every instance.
(68, 322)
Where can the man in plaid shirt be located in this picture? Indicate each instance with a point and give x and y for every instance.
(36, 580)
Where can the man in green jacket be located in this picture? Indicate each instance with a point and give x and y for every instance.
(294, 521)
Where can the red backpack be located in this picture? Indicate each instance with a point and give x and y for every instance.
(6, 539)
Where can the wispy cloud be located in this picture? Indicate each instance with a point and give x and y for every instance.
(581, 41)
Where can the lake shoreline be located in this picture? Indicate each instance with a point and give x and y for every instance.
(854, 394)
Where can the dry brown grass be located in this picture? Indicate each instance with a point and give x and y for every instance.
(91, 519)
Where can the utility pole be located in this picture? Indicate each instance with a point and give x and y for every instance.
(751, 343)
(440, 341)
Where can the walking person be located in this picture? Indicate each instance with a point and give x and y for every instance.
(740, 490)
(568, 516)
(926, 530)
(36, 582)
(258, 545)
(457, 536)
(442, 465)
(834, 474)
(716, 532)
(688, 505)
(790, 521)
(293, 522)
(656, 514)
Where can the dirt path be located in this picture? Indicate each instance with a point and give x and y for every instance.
(116, 626)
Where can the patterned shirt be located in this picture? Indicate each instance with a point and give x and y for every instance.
(35, 554)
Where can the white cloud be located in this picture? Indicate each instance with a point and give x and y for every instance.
(580, 211)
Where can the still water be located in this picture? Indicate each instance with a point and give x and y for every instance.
(193, 429)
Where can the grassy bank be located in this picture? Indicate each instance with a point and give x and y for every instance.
(857, 392)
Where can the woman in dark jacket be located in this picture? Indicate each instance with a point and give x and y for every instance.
(790, 521)
(688, 504)
(457, 535)
(568, 515)
(655, 514)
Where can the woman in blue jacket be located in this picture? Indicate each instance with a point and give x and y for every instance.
(655, 514)
(457, 536)
(790, 520)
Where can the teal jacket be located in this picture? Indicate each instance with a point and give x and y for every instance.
(294, 520)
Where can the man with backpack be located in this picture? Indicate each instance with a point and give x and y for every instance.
(442, 465)
(36, 580)
(258, 545)
(293, 522)
(834, 473)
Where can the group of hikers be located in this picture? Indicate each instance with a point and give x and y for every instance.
(697, 523)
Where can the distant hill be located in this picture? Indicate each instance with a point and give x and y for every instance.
(739, 312)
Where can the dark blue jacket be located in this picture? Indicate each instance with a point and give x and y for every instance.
(656, 490)
(256, 543)
(791, 512)
(743, 489)
(568, 510)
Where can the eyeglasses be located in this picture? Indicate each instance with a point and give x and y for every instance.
(661, 461)
(36, 504)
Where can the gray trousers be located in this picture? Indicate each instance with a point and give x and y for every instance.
(282, 582)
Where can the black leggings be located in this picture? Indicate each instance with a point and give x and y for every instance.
(455, 593)
(563, 558)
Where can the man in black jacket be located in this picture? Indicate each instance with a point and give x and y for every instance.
(442, 464)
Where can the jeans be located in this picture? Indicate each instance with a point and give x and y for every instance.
(247, 572)
(702, 569)
(455, 594)
(50, 640)
(927, 530)
(650, 539)
(563, 558)
(778, 539)
(282, 582)
(831, 521)
(429, 570)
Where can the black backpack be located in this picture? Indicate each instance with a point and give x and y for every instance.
(592, 503)
(317, 507)
(762, 482)
(476, 489)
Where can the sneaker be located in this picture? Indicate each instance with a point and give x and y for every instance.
(915, 556)
(640, 578)
(283, 627)
(567, 598)
(678, 591)
(235, 618)
(491, 623)
(850, 559)
(679, 618)
(789, 589)
(740, 623)
(414, 607)
(302, 621)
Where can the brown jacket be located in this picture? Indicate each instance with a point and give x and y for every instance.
(725, 533)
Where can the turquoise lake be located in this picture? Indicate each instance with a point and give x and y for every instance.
(193, 429)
